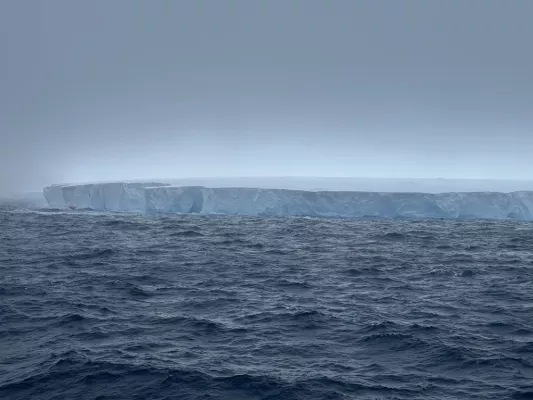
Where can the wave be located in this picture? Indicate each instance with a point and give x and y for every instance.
(96, 253)
(122, 381)
(188, 233)
(260, 308)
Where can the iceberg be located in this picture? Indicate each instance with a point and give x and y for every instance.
(54, 196)
(109, 196)
(155, 197)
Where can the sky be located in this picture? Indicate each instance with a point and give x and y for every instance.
(138, 89)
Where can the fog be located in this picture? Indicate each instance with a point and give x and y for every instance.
(135, 89)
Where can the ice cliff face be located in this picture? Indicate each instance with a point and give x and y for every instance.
(152, 197)
(114, 196)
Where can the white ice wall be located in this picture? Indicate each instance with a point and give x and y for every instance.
(155, 197)
(112, 196)
(54, 196)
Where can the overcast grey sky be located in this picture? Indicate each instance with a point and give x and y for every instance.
(111, 89)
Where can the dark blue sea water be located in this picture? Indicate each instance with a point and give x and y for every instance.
(102, 306)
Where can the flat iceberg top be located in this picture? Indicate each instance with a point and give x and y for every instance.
(361, 184)
(157, 197)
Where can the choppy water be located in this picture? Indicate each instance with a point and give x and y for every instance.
(100, 306)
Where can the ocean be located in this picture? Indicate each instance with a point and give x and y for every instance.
(120, 306)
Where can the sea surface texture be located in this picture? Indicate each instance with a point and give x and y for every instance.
(115, 306)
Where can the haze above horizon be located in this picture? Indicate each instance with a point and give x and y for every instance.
(132, 89)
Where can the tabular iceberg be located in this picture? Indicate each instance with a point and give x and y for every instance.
(112, 196)
(153, 197)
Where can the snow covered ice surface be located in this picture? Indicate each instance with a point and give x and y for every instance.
(154, 197)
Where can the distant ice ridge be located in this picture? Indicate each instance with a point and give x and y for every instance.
(154, 197)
